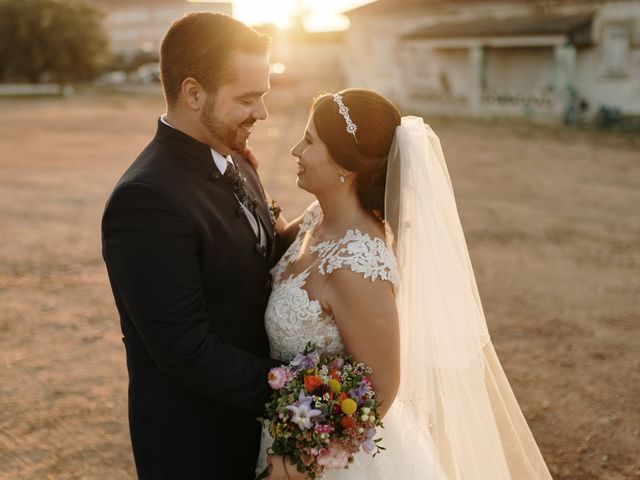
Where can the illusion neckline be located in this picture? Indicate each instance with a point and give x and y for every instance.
(337, 239)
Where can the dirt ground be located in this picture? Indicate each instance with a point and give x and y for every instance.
(552, 221)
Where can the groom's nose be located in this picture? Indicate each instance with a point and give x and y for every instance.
(261, 112)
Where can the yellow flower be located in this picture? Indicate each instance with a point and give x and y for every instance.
(348, 407)
(334, 385)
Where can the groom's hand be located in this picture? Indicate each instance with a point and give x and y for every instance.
(251, 158)
(278, 471)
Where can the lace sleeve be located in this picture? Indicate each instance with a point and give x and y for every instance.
(360, 252)
(312, 216)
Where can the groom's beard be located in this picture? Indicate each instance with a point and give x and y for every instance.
(227, 135)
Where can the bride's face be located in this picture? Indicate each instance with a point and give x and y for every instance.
(317, 171)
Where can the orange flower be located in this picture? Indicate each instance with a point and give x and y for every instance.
(347, 422)
(311, 382)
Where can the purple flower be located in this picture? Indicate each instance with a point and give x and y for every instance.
(303, 362)
(302, 413)
(359, 393)
(369, 445)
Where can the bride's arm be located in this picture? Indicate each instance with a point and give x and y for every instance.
(288, 230)
(365, 313)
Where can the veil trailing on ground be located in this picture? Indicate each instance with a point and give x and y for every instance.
(453, 393)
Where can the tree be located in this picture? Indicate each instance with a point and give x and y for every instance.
(55, 40)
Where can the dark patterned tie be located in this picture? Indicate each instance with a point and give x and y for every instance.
(237, 182)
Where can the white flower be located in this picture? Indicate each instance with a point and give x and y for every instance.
(302, 412)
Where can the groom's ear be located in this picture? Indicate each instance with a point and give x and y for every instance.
(192, 94)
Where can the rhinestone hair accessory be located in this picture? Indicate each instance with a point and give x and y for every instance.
(344, 111)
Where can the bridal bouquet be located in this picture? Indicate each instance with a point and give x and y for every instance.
(323, 410)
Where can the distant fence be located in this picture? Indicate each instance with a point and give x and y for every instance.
(29, 89)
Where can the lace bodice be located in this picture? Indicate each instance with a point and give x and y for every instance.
(292, 318)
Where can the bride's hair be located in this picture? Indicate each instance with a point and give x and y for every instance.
(367, 153)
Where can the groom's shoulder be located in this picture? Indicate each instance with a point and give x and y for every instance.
(150, 166)
(151, 173)
(158, 165)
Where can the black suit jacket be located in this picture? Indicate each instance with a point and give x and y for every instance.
(191, 287)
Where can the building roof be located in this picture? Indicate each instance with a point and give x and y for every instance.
(146, 3)
(578, 27)
(385, 6)
(315, 38)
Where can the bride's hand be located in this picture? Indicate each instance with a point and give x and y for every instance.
(251, 158)
(278, 471)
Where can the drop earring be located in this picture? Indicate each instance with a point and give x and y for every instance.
(341, 178)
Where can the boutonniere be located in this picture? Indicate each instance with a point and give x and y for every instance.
(274, 212)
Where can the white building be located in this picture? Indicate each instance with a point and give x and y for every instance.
(539, 58)
(312, 61)
(140, 25)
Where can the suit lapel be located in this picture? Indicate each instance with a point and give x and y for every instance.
(262, 209)
(255, 191)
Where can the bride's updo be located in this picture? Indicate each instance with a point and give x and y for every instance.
(366, 154)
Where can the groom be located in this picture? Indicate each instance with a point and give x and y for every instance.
(188, 246)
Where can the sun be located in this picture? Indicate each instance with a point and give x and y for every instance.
(317, 14)
(259, 12)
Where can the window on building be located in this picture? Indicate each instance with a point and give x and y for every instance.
(616, 38)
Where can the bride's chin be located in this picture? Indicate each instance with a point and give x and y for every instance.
(300, 184)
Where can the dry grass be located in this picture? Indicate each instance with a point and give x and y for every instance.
(551, 218)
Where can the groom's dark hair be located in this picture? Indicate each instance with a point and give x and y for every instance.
(200, 45)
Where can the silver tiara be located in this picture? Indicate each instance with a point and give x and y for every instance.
(344, 111)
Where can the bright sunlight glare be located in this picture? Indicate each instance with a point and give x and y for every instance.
(318, 15)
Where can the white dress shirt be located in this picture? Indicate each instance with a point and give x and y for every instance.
(221, 163)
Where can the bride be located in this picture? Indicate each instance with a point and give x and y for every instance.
(378, 267)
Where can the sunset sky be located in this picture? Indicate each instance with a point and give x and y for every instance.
(320, 14)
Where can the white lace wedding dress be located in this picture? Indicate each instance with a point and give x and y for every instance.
(454, 403)
(293, 319)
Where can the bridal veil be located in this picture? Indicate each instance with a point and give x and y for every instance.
(453, 393)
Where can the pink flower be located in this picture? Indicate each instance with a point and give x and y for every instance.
(333, 457)
(278, 377)
(336, 364)
(324, 428)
